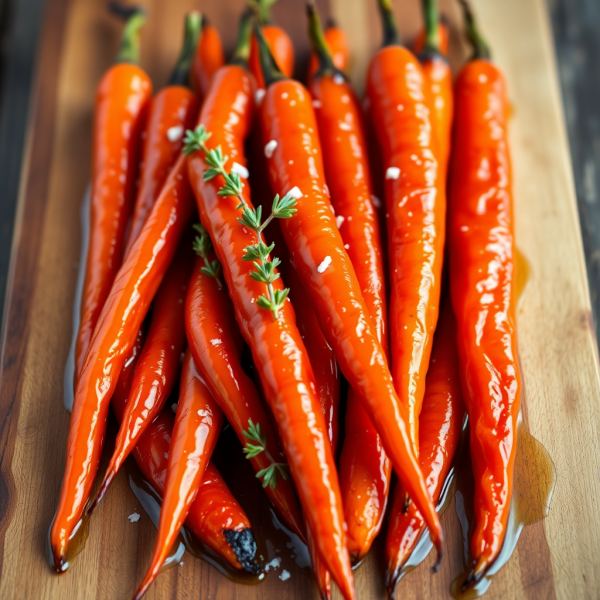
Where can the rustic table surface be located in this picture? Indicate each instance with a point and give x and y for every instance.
(45, 118)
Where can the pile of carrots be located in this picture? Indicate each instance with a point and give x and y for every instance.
(239, 210)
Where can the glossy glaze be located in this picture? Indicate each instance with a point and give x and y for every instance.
(213, 511)
(282, 49)
(124, 311)
(209, 58)
(416, 208)
(365, 470)
(287, 117)
(277, 348)
(121, 102)
(339, 48)
(160, 362)
(174, 107)
(441, 425)
(198, 422)
(483, 288)
(215, 343)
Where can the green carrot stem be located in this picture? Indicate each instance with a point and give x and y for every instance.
(391, 34)
(135, 17)
(264, 11)
(191, 34)
(432, 21)
(318, 43)
(242, 48)
(270, 70)
(481, 50)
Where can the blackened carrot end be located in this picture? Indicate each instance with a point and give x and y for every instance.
(243, 545)
(438, 542)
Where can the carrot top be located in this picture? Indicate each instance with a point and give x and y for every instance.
(135, 17)
(191, 34)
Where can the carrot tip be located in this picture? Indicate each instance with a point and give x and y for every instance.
(438, 562)
(243, 545)
(472, 579)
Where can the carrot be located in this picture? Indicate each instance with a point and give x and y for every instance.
(215, 344)
(317, 251)
(173, 110)
(265, 317)
(365, 470)
(416, 206)
(215, 516)
(209, 58)
(121, 102)
(484, 293)
(124, 311)
(441, 423)
(159, 364)
(438, 80)
(197, 426)
(279, 41)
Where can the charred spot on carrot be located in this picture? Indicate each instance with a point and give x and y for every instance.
(243, 545)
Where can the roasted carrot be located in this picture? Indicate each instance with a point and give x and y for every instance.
(317, 251)
(279, 42)
(441, 423)
(215, 343)
(365, 471)
(337, 46)
(123, 387)
(262, 311)
(438, 80)
(121, 102)
(484, 295)
(197, 426)
(159, 364)
(123, 313)
(215, 510)
(415, 194)
(209, 58)
(173, 110)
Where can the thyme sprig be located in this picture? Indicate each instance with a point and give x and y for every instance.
(283, 208)
(202, 246)
(251, 450)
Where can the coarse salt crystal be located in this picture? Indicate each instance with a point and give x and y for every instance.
(376, 201)
(326, 262)
(339, 220)
(134, 517)
(240, 170)
(175, 133)
(215, 342)
(285, 575)
(270, 148)
(274, 564)
(259, 95)
(295, 193)
(392, 173)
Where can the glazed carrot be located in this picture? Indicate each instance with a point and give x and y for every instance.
(215, 344)
(124, 311)
(262, 311)
(121, 102)
(317, 251)
(197, 426)
(123, 387)
(321, 356)
(365, 471)
(209, 58)
(484, 295)
(441, 423)
(438, 80)
(159, 364)
(415, 194)
(173, 110)
(338, 47)
(279, 42)
(215, 510)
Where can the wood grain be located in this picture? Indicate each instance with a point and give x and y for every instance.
(558, 557)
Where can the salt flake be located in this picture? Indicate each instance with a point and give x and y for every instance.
(270, 148)
(134, 517)
(392, 173)
(240, 170)
(175, 133)
(285, 575)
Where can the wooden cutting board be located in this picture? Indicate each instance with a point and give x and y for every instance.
(556, 557)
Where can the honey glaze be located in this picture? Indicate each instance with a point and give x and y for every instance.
(76, 543)
(534, 481)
